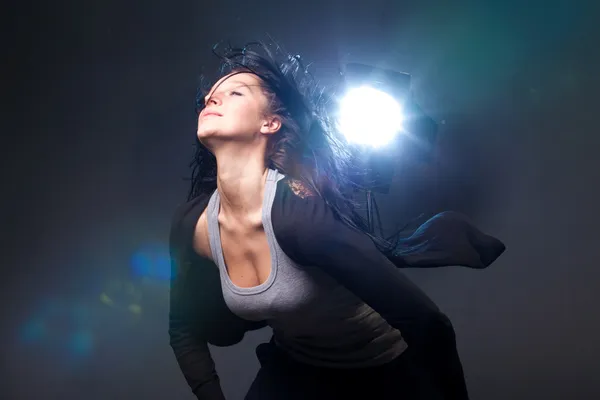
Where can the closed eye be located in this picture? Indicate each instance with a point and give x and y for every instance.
(231, 93)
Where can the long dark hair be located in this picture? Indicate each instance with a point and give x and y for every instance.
(308, 147)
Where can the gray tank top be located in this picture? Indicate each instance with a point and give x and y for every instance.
(314, 319)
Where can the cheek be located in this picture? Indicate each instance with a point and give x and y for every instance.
(244, 115)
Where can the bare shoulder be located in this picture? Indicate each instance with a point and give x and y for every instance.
(201, 241)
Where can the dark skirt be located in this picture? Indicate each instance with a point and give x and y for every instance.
(281, 377)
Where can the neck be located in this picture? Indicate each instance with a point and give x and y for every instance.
(241, 177)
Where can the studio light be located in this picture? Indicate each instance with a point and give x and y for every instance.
(377, 114)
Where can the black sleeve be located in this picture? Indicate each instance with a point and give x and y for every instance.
(448, 238)
(310, 234)
(191, 351)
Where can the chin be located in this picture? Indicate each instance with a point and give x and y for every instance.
(210, 139)
(205, 133)
(204, 137)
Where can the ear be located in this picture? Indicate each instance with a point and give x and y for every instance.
(270, 125)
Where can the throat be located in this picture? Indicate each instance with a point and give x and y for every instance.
(242, 197)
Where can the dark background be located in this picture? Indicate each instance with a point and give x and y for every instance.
(97, 127)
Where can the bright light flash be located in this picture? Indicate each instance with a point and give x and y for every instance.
(369, 116)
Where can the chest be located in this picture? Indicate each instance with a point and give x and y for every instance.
(246, 255)
(242, 250)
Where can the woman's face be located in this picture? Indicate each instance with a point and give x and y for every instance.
(236, 110)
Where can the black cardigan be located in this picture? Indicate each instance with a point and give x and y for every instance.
(310, 234)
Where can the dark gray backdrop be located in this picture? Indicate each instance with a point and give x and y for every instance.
(97, 132)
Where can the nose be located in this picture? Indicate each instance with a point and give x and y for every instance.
(213, 100)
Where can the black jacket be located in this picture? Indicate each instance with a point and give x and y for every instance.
(310, 234)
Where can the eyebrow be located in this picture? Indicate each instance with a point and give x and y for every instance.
(243, 84)
(240, 83)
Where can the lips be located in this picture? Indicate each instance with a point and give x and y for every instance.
(211, 113)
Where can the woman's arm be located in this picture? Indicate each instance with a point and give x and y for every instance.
(309, 233)
(191, 351)
(192, 354)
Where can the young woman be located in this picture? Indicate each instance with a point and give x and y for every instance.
(269, 236)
